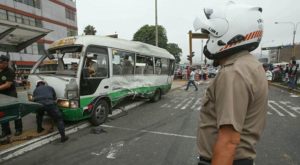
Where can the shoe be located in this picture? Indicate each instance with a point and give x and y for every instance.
(39, 130)
(64, 139)
(4, 134)
(18, 133)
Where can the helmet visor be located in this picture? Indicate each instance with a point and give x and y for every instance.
(216, 26)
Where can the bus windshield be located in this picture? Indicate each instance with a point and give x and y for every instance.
(65, 62)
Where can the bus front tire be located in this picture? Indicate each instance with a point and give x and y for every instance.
(157, 96)
(100, 113)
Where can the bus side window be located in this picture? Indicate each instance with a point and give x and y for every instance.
(157, 66)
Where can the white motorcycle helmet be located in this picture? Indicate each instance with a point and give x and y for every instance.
(231, 29)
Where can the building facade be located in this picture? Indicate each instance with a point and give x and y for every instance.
(59, 16)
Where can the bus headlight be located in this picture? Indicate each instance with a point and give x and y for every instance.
(74, 104)
(30, 97)
(63, 103)
(68, 103)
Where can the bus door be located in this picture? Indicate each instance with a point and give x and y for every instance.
(95, 71)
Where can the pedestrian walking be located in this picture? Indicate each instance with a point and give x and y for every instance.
(292, 75)
(234, 107)
(269, 75)
(7, 87)
(191, 80)
(45, 95)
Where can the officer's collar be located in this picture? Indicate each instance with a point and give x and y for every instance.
(231, 59)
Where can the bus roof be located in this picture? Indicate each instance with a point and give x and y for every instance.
(135, 46)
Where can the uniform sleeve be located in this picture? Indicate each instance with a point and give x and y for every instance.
(232, 97)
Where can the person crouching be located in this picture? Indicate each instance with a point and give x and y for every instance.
(45, 95)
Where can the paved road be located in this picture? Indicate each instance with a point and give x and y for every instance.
(163, 133)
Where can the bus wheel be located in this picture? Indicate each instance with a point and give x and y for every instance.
(157, 96)
(100, 113)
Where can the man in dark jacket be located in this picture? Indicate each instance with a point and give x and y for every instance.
(46, 96)
(7, 87)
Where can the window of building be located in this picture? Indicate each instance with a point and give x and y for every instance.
(41, 48)
(11, 16)
(123, 62)
(70, 14)
(3, 14)
(18, 18)
(33, 3)
(38, 23)
(31, 21)
(71, 32)
(25, 20)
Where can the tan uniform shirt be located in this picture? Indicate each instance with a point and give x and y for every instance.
(237, 96)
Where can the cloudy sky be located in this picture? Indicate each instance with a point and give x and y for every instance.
(125, 17)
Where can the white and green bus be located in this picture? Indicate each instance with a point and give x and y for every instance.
(108, 72)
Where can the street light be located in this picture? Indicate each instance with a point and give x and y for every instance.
(295, 25)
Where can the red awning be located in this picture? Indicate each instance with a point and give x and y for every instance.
(25, 63)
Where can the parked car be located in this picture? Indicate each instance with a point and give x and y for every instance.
(212, 72)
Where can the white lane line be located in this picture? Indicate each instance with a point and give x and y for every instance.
(289, 105)
(164, 105)
(197, 109)
(269, 113)
(114, 148)
(151, 132)
(288, 112)
(182, 102)
(187, 104)
(274, 109)
(196, 103)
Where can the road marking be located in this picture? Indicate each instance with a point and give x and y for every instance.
(280, 114)
(269, 113)
(288, 104)
(114, 148)
(291, 114)
(196, 103)
(188, 103)
(151, 132)
(179, 105)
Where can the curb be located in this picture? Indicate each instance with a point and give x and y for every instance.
(285, 88)
(42, 140)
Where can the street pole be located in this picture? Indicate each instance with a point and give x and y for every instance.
(156, 28)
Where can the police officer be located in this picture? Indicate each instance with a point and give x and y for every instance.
(46, 96)
(7, 87)
(234, 108)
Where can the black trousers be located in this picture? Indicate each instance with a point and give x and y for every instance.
(55, 114)
(6, 128)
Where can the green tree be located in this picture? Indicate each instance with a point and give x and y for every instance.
(146, 34)
(90, 30)
(175, 50)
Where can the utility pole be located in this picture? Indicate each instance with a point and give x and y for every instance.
(156, 28)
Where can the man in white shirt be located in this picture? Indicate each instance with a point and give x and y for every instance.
(191, 80)
(269, 74)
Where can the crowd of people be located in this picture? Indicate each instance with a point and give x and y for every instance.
(287, 74)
